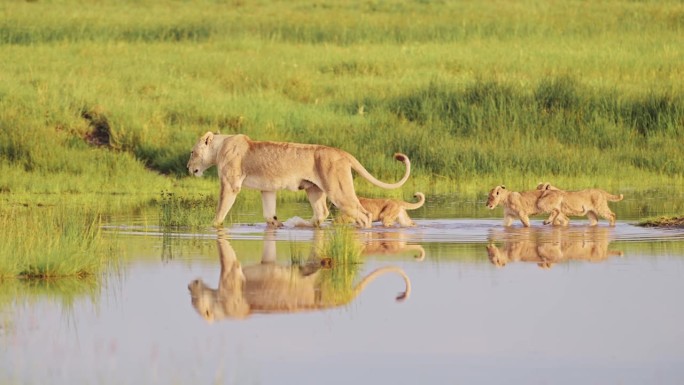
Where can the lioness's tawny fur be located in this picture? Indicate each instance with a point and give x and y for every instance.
(518, 205)
(270, 288)
(322, 171)
(590, 202)
(389, 211)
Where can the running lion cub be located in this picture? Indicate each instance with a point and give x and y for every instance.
(590, 202)
(392, 210)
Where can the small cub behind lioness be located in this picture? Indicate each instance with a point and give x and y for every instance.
(389, 211)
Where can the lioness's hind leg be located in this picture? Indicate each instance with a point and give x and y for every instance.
(339, 185)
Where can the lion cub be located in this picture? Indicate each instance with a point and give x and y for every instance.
(392, 210)
(590, 202)
(520, 205)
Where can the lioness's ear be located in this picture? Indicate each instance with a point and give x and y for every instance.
(208, 137)
(503, 187)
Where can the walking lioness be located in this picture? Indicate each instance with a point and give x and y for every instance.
(323, 172)
(392, 210)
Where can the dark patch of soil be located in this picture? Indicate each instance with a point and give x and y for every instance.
(100, 134)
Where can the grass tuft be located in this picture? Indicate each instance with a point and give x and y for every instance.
(662, 222)
(50, 242)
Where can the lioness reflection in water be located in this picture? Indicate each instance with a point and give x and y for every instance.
(546, 247)
(267, 287)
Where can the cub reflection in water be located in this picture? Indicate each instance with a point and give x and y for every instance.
(390, 242)
(267, 287)
(548, 246)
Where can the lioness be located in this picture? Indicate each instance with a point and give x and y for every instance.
(590, 202)
(267, 287)
(270, 166)
(392, 210)
(518, 205)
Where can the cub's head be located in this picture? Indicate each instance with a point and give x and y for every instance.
(201, 157)
(547, 186)
(496, 195)
(497, 257)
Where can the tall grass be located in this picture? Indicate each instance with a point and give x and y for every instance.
(51, 242)
(472, 92)
(184, 211)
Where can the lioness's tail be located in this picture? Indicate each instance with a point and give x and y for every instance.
(613, 198)
(417, 205)
(380, 271)
(358, 167)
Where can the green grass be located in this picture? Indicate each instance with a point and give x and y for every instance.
(341, 245)
(662, 222)
(53, 242)
(477, 94)
(193, 212)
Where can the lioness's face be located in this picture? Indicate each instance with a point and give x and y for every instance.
(200, 158)
(494, 197)
(203, 299)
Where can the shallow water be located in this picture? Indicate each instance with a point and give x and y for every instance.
(486, 305)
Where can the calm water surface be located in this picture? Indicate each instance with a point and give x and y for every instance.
(486, 305)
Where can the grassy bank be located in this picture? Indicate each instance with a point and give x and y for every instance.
(109, 98)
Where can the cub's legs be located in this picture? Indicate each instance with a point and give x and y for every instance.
(593, 218)
(403, 218)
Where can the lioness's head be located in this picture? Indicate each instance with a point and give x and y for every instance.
(214, 304)
(201, 157)
(495, 196)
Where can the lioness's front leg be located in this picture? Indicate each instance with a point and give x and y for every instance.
(227, 197)
(268, 202)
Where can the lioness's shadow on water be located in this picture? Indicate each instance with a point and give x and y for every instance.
(548, 246)
(268, 287)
